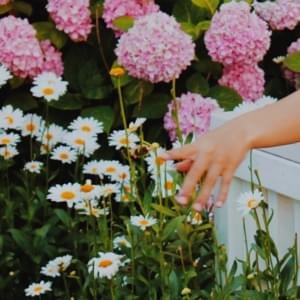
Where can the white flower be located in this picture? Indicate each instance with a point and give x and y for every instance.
(166, 186)
(51, 270)
(120, 242)
(248, 201)
(142, 222)
(4, 75)
(51, 135)
(33, 166)
(120, 139)
(89, 126)
(195, 218)
(10, 118)
(64, 154)
(9, 139)
(8, 152)
(134, 126)
(49, 86)
(62, 262)
(37, 289)
(122, 174)
(125, 194)
(109, 189)
(92, 168)
(84, 144)
(68, 192)
(106, 265)
(109, 167)
(32, 123)
(90, 208)
(90, 191)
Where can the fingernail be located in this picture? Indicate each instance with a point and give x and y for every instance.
(197, 206)
(219, 204)
(181, 199)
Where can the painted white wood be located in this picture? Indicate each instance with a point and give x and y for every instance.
(279, 172)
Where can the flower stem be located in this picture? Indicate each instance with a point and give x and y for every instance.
(176, 112)
(66, 285)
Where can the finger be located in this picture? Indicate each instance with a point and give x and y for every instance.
(208, 185)
(184, 166)
(225, 184)
(196, 171)
(184, 152)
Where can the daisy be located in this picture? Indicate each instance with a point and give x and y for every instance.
(89, 126)
(142, 222)
(166, 186)
(90, 208)
(134, 126)
(48, 86)
(105, 266)
(4, 75)
(51, 270)
(68, 192)
(84, 144)
(37, 289)
(120, 139)
(9, 139)
(51, 135)
(195, 218)
(89, 191)
(62, 262)
(10, 118)
(8, 152)
(33, 166)
(126, 194)
(122, 174)
(109, 189)
(109, 167)
(248, 201)
(121, 242)
(32, 123)
(64, 154)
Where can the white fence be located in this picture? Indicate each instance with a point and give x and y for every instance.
(279, 171)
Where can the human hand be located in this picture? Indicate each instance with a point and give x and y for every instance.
(216, 154)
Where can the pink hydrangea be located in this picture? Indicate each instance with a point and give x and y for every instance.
(71, 16)
(155, 48)
(236, 35)
(20, 50)
(194, 114)
(291, 76)
(52, 59)
(281, 14)
(120, 8)
(247, 80)
(4, 2)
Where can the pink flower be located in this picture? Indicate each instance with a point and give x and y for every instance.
(236, 35)
(71, 16)
(4, 2)
(247, 80)
(52, 59)
(281, 14)
(19, 48)
(194, 114)
(155, 48)
(120, 8)
(291, 76)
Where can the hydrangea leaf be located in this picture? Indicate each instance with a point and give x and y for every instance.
(22, 7)
(211, 5)
(123, 23)
(226, 97)
(292, 61)
(197, 84)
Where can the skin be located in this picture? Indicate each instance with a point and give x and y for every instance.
(220, 151)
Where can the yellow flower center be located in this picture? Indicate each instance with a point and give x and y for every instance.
(111, 169)
(86, 188)
(5, 141)
(197, 217)
(86, 128)
(105, 263)
(124, 141)
(10, 120)
(117, 72)
(30, 127)
(125, 198)
(252, 203)
(38, 289)
(68, 195)
(169, 185)
(94, 170)
(159, 161)
(144, 222)
(48, 91)
(64, 156)
(46, 147)
(49, 136)
(79, 141)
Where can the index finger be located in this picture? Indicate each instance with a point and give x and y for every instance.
(184, 152)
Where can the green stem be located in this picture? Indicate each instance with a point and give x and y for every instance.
(178, 129)
(112, 290)
(66, 285)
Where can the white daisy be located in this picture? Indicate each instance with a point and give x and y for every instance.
(121, 242)
(166, 186)
(32, 123)
(62, 262)
(122, 174)
(48, 86)
(10, 118)
(92, 167)
(90, 208)
(64, 154)
(68, 192)
(9, 139)
(4, 75)
(37, 289)
(109, 189)
(90, 191)
(109, 167)
(120, 139)
(134, 126)
(33, 166)
(249, 200)
(142, 222)
(89, 126)
(51, 270)
(126, 194)
(8, 152)
(195, 218)
(84, 144)
(51, 135)
(105, 266)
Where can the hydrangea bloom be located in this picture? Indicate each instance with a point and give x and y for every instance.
(291, 76)
(20, 50)
(155, 48)
(71, 16)
(4, 2)
(236, 35)
(133, 8)
(194, 114)
(247, 80)
(281, 14)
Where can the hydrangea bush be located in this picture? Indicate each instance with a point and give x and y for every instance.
(91, 92)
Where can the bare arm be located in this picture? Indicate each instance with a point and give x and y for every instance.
(219, 152)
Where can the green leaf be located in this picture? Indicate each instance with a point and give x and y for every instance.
(23, 7)
(23, 240)
(210, 5)
(21, 100)
(135, 91)
(164, 210)
(287, 274)
(68, 102)
(63, 216)
(124, 22)
(226, 97)
(104, 114)
(94, 89)
(172, 226)
(292, 61)
(174, 284)
(197, 84)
